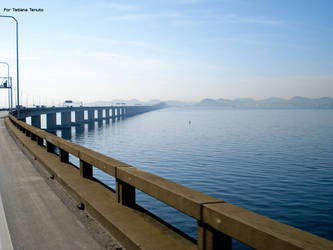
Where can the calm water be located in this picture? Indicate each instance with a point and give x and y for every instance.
(278, 163)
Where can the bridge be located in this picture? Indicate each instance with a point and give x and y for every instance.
(218, 222)
(81, 114)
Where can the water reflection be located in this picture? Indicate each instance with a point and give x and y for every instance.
(82, 131)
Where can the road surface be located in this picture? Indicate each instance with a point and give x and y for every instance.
(35, 215)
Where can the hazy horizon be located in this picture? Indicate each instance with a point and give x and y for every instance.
(169, 50)
(198, 100)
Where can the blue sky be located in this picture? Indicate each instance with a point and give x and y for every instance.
(169, 49)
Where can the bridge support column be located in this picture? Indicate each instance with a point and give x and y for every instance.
(51, 121)
(66, 133)
(91, 115)
(107, 113)
(79, 117)
(100, 114)
(35, 121)
(119, 113)
(210, 239)
(112, 113)
(66, 119)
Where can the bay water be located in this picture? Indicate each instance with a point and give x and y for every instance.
(278, 163)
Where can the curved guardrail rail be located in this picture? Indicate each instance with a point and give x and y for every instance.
(218, 221)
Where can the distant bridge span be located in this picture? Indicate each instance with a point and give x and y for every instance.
(93, 113)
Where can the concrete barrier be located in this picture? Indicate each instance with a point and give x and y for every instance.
(135, 228)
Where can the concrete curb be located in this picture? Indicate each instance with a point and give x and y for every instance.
(5, 240)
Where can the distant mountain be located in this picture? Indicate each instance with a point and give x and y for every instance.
(271, 103)
(130, 102)
(209, 102)
(174, 103)
(153, 102)
(246, 103)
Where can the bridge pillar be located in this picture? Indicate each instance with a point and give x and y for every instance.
(91, 115)
(112, 113)
(107, 113)
(66, 119)
(66, 133)
(100, 114)
(79, 117)
(119, 113)
(51, 121)
(35, 121)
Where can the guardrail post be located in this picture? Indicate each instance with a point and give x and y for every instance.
(125, 193)
(86, 170)
(49, 147)
(211, 239)
(33, 137)
(40, 141)
(63, 156)
(27, 132)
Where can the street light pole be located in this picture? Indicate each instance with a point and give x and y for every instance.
(17, 62)
(10, 96)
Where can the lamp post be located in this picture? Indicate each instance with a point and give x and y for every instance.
(10, 95)
(17, 63)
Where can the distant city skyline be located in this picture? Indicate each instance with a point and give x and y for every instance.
(183, 50)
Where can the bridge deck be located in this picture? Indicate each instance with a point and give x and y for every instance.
(36, 216)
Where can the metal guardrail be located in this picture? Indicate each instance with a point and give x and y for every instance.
(218, 221)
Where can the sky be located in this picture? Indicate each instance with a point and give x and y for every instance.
(168, 49)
